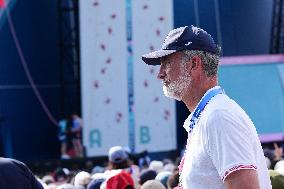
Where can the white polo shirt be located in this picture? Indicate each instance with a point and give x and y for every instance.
(224, 140)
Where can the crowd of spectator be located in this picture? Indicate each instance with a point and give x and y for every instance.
(120, 173)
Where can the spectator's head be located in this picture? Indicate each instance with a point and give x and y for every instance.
(157, 166)
(122, 180)
(269, 154)
(61, 175)
(163, 177)
(170, 167)
(147, 174)
(82, 179)
(192, 55)
(118, 158)
(152, 184)
(98, 169)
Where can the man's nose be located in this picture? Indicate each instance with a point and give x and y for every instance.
(162, 73)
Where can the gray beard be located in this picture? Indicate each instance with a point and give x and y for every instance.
(170, 94)
(176, 89)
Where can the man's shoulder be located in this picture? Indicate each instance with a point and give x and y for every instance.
(222, 104)
(224, 110)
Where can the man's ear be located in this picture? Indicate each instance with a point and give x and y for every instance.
(196, 63)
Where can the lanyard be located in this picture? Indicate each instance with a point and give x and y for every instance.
(200, 107)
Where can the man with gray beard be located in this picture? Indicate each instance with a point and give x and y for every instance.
(223, 149)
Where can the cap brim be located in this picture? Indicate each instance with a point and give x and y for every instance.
(154, 58)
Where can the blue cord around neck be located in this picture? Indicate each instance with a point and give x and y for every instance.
(200, 107)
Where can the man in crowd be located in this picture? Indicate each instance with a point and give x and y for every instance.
(223, 149)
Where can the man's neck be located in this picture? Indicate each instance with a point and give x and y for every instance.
(194, 95)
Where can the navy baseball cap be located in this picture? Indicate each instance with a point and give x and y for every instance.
(183, 38)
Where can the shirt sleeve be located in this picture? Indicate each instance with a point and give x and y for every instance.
(229, 142)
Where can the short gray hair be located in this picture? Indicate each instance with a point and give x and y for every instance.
(209, 60)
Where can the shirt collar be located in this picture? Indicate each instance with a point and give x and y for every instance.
(186, 122)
